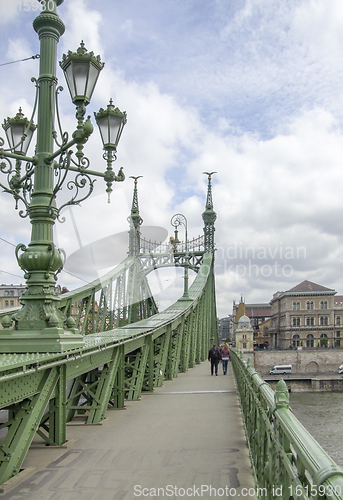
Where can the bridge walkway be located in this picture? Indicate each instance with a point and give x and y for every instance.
(185, 435)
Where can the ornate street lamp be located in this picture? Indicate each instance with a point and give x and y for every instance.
(40, 326)
(111, 122)
(176, 221)
(19, 132)
(81, 70)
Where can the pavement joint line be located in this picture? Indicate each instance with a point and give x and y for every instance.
(191, 392)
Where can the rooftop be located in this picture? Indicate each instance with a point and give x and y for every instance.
(309, 286)
(306, 288)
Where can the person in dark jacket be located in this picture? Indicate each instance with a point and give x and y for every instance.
(214, 357)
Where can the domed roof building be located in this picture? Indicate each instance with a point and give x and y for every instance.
(244, 320)
(244, 334)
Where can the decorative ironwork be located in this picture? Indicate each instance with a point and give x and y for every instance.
(40, 326)
(42, 392)
(209, 217)
(149, 246)
(135, 221)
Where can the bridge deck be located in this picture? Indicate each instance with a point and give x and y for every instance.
(185, 434)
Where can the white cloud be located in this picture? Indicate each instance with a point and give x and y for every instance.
(257, 99)
(127, 27)
(82, 23)
(8, 11)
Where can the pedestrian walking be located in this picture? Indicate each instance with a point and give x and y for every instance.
(214, 357)
(225, 355)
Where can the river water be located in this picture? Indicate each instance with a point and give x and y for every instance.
(322, 415)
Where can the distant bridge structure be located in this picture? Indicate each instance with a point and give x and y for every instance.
(129, 346)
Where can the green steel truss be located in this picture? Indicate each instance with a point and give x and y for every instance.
(288, 462)
(121, 297)
(128, 346)
(42, 392)
(152, 261)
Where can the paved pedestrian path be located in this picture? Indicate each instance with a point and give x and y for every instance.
(185, 439)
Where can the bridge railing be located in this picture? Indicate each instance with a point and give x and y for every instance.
(149, 246)
(107, 302)
(42, 392)
(288, 462)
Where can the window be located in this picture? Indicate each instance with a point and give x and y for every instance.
(296, 321)
(324, 321)
(338, 334)
(309, 340)
(296, 340)
(309, 304)
(294, 306)
(309, 320)
(323, 340)
(6, 303)
(338, 320)
(244, 345)
(12, 303)
(323, 304)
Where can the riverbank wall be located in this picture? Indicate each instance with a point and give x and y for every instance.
(304, 361)
(313, 370)
(311, 384)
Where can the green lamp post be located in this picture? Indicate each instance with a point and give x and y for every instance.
(40, 326)
(176, 221)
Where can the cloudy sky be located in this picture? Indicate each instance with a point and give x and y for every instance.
(251, 89)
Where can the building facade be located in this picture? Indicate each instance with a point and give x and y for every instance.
(10, 295)
(308, 315)
(259, 315)
(244, 334)
(224, 329)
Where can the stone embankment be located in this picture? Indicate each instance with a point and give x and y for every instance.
(312, 369)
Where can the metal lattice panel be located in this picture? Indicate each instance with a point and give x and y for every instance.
(44, 391)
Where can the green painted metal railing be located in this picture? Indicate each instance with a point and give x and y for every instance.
(288, 462)
(121, 297)
(42, 392)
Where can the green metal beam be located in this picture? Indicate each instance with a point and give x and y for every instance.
(136, 364)
(104, 388)
(91, 379)
(24, 425)
(117, 397)
(162, 356)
